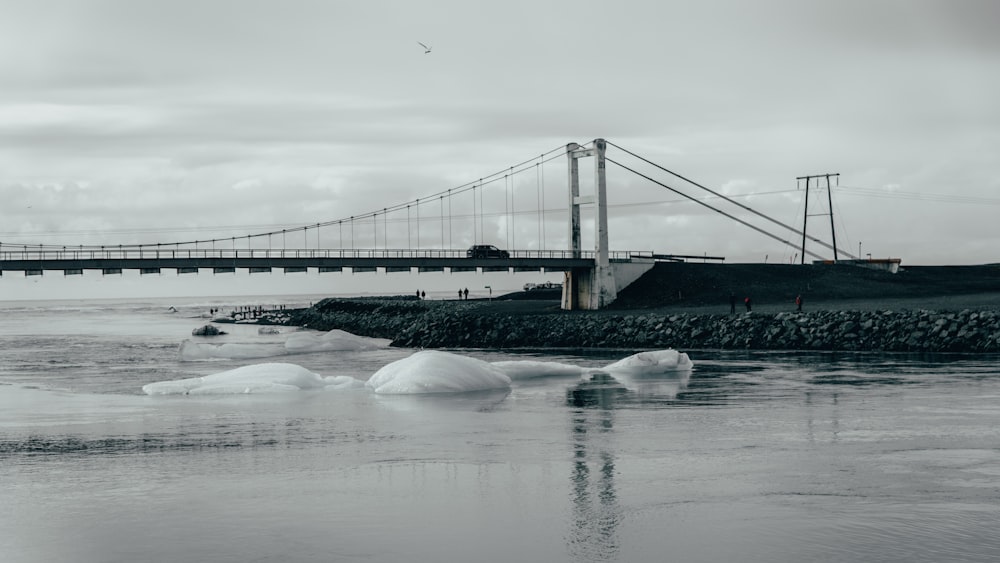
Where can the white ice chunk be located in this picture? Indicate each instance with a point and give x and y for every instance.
(432, 371)
(335, 340)
(260, 378)
(651, 363)
(529, 369)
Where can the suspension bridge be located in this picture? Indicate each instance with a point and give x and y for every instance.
(432, 233)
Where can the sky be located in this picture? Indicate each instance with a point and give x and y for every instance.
(137, 122)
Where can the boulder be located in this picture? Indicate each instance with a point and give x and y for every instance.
(207, 330)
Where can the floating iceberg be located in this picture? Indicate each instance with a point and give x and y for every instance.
(260, 378)
(335, 340)
(661, 373)
(426, 372)
(651, 363)
(432, 371)
(644, 363)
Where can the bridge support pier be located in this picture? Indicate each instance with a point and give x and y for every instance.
(586, 288)
(580, 285)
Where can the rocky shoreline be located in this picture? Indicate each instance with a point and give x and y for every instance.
(409, 322)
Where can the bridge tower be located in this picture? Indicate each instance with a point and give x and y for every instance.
(586, 288)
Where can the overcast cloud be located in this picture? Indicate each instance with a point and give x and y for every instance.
(131, 121)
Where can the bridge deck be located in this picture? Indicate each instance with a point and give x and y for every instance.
(37, 260)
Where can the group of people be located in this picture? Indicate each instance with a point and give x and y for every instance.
(462, 294)
(749, 303)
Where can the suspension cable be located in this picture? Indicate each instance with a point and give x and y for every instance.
(723, 196)
(721, 212)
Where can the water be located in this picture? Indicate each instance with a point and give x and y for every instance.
(751, 457)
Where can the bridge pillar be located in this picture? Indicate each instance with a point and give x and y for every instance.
(585, 288)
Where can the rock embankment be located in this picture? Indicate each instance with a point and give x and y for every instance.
(419, 324)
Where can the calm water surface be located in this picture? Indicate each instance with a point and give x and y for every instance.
(751, 457)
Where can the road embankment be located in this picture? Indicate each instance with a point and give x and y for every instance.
(474, 324)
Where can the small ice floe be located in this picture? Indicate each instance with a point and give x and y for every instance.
(651, 363)
(659, 373)
(644, 363)
(335, 340)
(432, 371)
(260, 378)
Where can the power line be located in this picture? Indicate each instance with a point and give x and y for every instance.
(919, 196)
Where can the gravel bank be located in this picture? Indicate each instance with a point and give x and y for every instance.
(924, 308)
(522, 324)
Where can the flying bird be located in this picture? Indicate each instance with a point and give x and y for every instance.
(426, 48)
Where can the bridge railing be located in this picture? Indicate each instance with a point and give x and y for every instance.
(8, 252)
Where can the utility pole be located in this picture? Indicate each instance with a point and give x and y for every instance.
(805, 214)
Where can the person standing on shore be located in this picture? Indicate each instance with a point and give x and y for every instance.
(798, 303)
(746, 301)
(732, 303)
(466, 294)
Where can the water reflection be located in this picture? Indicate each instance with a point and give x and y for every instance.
(604, 390)
(596, 511)
(815, 423)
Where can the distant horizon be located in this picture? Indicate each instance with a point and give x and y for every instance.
(133, 285)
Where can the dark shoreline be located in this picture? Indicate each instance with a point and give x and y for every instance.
(541, 325)
(686, 306)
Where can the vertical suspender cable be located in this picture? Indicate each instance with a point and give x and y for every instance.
(506, 210)
(542, 210)
(513, 211)
(538, 206)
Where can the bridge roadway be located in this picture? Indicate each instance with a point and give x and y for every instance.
(34, 261)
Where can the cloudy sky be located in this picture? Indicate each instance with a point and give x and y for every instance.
(138, 121)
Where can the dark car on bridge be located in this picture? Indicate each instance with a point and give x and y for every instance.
(486, 251)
